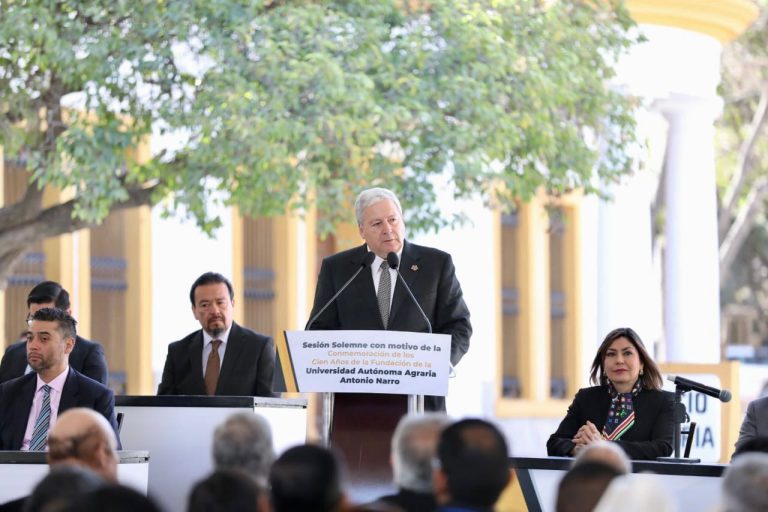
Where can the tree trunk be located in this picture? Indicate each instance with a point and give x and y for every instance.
(739, 230)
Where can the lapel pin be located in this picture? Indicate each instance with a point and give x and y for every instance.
(414, 267)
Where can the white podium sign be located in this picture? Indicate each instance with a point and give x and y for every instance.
(392, 362)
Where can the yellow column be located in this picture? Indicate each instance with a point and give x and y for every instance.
(310, 260)
(59, 260)
(138, 301)
(238, 266)
(83, 283)
(284, 251)
(724, 20)
(2, 203)
(497, 304)
(347, 236)
(573, 287)
(533, 255)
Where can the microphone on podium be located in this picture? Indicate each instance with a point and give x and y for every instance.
(394, 263)
(367, 260)
(689, 385)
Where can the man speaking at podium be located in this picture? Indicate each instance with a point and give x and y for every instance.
(375, 299)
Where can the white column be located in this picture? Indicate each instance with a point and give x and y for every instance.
(180, 254)
(691, 272)
(625, 266)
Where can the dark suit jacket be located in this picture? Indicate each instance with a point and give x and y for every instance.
(404, 501)
(430, 275)
(651, 436)
(16, 505)
(755, 422)
(247, 369)
(87, 357)
(79, 391)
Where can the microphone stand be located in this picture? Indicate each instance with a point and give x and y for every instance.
(327, 408)
(415, 402)
(681, 416)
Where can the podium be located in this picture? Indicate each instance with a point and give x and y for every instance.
(691, 486)
(21, 471)
(178, 432)
(369, 380)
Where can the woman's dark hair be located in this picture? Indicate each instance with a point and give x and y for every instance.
(651, 376)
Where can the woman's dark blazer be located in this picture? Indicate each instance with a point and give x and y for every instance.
(651, 436)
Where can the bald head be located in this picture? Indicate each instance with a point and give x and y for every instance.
(84, 437)
(605, 452)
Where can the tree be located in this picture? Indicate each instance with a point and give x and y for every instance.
(283, 105)
(743, 171)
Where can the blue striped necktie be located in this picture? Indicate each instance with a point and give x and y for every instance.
(39, 440)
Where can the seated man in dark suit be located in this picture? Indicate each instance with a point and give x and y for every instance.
(755, 423)
(222, 358)
(87, 357)
(30, 405)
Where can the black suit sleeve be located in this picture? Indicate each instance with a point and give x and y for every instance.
(662, 433)
(266, 370)
(748, 429)
(4, 367)
(95, 364)
(14, 362)
(559, 443)
(452, 315)
(167, 382)
(4, 417)
(105, 404)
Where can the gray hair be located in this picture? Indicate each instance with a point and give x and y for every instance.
(244, 442)
(745, 483)
(414, 445)
(371, 196)
(605, 452)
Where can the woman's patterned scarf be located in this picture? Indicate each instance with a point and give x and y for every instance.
(621, 414)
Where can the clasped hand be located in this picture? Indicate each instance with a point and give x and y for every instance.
(588, 433)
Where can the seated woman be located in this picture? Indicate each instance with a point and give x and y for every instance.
(628, 406)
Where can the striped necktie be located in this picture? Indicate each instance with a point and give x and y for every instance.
(385, 292)
(39, 440)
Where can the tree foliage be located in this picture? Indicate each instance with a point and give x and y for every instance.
(743, 171)
(287, 105)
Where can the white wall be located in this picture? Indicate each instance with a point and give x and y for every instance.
(180, 253)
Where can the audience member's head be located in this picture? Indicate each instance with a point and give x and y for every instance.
(48, 294)
(756, 444)
(244, 442)
(583, 485)
(64, 322)
(113, 498)
(745, 483)
(474, 470)
(84, 437)
(306, 477)
(606, 452)
(414, 444)
(637, 492)
(224, 490)
(60, 487)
